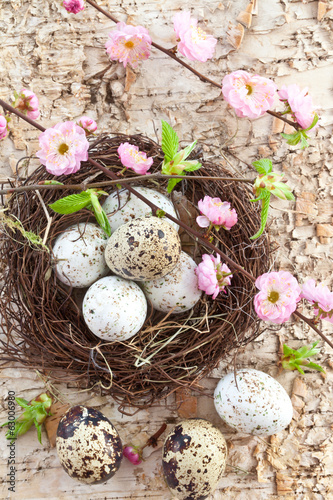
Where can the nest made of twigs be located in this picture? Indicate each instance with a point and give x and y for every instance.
(43, 324)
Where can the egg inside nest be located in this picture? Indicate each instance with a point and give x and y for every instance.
(146, 248)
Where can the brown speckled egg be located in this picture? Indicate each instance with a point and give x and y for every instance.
(146, 248)
(88, 445)
(194, 459)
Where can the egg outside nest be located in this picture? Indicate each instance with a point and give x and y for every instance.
(144, 249)
(88, 445)
(194, 459)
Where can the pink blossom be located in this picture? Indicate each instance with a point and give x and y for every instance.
(194, 43)
(216, 212)
(300, 104)
(132, 453)
(278, 296)
(131, 157)
(128, 44)
(73, 6)
(88, 124)
(27, 102)
(321, 297)
(250, 95)
(3, 127)
(63, 147)
(213, 276)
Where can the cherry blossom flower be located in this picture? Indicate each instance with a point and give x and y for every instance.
(213, 276)
(278, 296)
(74, 6)
(132, 453)
(88, 124)
(194, 43)
(299, 103)
(250, 95)
(131, 157)
(27, 102)
(128, 44)
(321, 297)
(3, 127)
(63, 147)
(216, 212)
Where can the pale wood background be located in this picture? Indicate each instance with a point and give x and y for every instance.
(59, 56)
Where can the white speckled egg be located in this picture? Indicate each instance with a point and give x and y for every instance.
(143, 249)
(259, 406)
(194, 459)
(88, 445)
(79, 255)
(114, 308)
(122, 206)
(178, 289)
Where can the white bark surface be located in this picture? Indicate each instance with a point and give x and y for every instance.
(59, 56)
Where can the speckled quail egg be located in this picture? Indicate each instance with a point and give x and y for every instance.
(114, 308)
(143, 249)
(88, 445)
(259, 406)
(178, 289)
(79, 255)
(194, 459)
(122, 206)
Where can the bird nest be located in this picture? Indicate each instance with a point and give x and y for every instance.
(42, 320)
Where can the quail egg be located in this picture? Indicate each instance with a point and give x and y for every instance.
(88, 445)
(194, 459)
(259, 405)
(114, 308)
(122, 206)
(79, 255)
(143, 249)
(178, 290)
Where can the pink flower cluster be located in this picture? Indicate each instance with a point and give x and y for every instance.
(194, 43)
(73, 6)
(213, 276)
(216, 212)
(27, 102)
(128, 44)
(321, 297)
(3, 127)
(131, 157)
(300, 104)
(88, 124)
(250, 95)
(278, 296)
(63, 147)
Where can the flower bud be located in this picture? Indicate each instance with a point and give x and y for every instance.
(133, 454)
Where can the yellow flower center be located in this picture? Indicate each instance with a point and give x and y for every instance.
(273, 297)
(129, 44)
(249, 89)
(63, 148)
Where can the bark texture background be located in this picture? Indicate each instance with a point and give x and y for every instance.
(61, 57)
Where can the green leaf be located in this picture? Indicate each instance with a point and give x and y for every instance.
(314, 366)
(304, 142)
(264, 213)
(170, 141)
(51, 183)
(39, 431)
(72, 203)
(287, 351)
(188, 150)
(292, 139)
(313, 124)
(172, 183)
(160, 213)
(100, 215)
(191, 166)
(22, 402)
(263, 166)
(313, 350)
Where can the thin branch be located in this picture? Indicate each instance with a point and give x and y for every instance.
(312, 325)
(49, 218)
(10, 108)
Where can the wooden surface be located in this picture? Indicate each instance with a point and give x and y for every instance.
(59, 56)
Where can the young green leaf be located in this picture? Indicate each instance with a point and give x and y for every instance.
(294, 359)
(22, 402)
(172, 183)
(72, 203)
(304, 142)
(188, 150)
(266, 196)
(170, 141)
(292, 139)
(263, 166)
(191, 166)
(100, 215)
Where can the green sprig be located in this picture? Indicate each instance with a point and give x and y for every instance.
(294, 359)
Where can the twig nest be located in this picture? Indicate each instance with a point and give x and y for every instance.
(143, 249)
(114, 308)
(255, 404)
(88, 445)
(194, 459)
(178, 290)
(79, 255)
(122, 206)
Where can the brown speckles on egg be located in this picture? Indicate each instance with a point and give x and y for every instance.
(88, 445)
(130, 249)
(191, 471)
